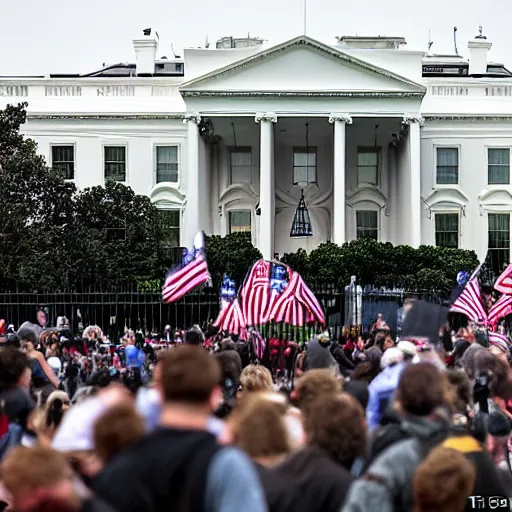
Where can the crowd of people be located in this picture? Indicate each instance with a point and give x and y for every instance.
(365, 423)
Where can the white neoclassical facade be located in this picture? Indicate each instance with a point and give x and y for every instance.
(381, 141)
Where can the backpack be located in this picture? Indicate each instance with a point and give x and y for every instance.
(393, 433)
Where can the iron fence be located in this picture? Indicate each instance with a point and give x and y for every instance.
(131, 305)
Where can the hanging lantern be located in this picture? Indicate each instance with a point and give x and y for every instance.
(301, 226)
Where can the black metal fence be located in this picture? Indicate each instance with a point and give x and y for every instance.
(116, 308)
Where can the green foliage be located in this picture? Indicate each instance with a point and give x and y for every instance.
(54, 237)
(381, 264)
(233, 254)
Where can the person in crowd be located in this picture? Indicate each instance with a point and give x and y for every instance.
(44, 380)
(39, 478)
(397, 450)
(313, 384)
(255, 378)
(180, 465)
(381, 389)
(320, 467)
(47, 419)
(231, 368)
(318, 354)
(116, 430)
(194, 336)
(15, 378)
(443, 482)
(260, 427)
(499, 430)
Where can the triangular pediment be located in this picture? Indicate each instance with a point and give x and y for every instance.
(302, 66)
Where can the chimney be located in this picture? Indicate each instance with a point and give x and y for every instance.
(478, 49)
(145, 53)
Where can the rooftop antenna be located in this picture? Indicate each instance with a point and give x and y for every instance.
(305, 14)
(455, 40)
(430, 42)
(480, 33)
(206, 42)
(172, 50)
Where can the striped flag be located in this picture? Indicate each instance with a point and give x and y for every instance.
(255, 294)
(504, 282)
(192, 273)
(469, 302)
(500, 309)
(231, 319)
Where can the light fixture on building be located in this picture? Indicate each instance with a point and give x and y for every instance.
(301, 225)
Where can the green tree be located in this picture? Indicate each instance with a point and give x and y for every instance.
(233, 254)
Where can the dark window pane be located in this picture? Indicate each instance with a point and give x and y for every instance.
(499, 241)
(170, 223)
(447, 166)
(115, 163)
(304, 165)
(499, 166)
(63, 159)
(447, 230)
(167, 164)
(367, 225)
(240, 221)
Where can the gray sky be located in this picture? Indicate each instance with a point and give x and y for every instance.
(71, 36)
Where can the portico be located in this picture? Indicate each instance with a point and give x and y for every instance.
(303, 118)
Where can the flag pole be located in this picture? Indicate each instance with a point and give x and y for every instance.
(305, 15)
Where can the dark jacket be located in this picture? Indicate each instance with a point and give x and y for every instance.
(323, 483)
(319, 356)
(282, 492)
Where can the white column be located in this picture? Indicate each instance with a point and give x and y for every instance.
(338, 210)
(192, 215)
(393, 193)
(267, 184)
(414, 122)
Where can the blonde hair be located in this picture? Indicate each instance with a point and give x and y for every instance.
(259, 425)
(256, 378)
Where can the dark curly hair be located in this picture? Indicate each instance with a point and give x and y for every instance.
(335, 423)
(12, 365)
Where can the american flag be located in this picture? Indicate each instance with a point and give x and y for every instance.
(255, 294)
(504, 282)
(231, 319)
(193, 273)
(470, 304)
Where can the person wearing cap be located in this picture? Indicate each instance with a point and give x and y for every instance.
(384, 385)
(499, 428)
(318, 355)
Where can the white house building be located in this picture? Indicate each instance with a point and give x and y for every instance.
(379, 140)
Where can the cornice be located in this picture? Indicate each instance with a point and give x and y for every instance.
(307, 42)
(103, 117)
(192, 116)
(302, 94)
(412, 119)
(265, 116)
(468, 117)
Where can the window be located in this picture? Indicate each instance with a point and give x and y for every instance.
(167, 164)
(115, 163)
(447, 166)
(367, 225)
(170, 223)
(240, 221)
(240, 162)
(498, 166)
(447, 230)
(63, 159)
(304, 165)
(367, 166)
(499, 241)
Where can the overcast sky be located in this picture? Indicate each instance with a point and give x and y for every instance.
(38, 37)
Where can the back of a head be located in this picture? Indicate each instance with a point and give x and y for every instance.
(259, 425)
(313, 384)
(189, 374)
(256, 378)
(194, 337)
(421, 389)
(13, 363)
(336, 424)
(231, 365)
(26, 333)
(443, 481)
(116, 430)
(28, 469)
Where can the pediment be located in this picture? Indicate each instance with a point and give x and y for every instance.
(446, 197)
(367, 195)
(496, 197)
(241, 194)
(302, 66)
(165, 196)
